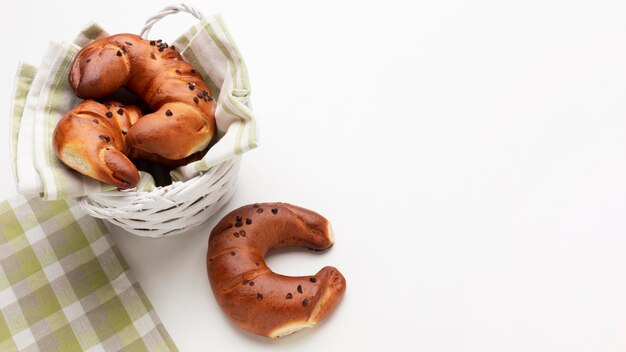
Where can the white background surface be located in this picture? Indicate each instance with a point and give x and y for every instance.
(470, 155)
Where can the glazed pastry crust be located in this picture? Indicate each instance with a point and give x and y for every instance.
(254, 297)
(183, 121)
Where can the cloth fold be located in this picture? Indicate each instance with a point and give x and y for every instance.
(64, 285)
(42, 96)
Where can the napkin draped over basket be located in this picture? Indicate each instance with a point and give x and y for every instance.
(42, 96)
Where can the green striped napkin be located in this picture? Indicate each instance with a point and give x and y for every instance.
(64, 285)
(42, 96)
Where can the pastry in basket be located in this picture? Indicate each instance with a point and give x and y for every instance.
(254, 297)
(181, 122)
(91, 139)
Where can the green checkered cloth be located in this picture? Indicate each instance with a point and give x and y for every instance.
(64, 285)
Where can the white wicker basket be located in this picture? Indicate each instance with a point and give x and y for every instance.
(174, 208)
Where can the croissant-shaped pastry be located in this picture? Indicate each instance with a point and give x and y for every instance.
(90, 139)
(248, 291)
(183, 121)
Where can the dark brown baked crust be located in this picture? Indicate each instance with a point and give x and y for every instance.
(254, 297)
(183, 121)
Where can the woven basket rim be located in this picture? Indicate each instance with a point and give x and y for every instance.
(157, 190)
(157, 215)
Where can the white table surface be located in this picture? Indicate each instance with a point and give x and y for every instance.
(471, 156)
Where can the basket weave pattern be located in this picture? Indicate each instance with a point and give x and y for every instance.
(166, 210)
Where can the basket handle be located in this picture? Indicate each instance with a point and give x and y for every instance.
(169, 11)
